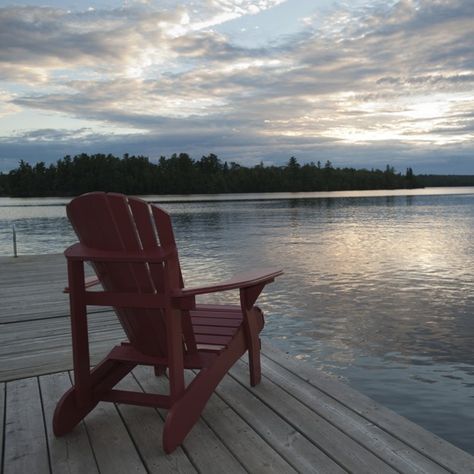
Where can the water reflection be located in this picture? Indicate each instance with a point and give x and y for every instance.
(380, 293)
(377, 290)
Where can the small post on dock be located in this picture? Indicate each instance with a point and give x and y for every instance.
(15, 254)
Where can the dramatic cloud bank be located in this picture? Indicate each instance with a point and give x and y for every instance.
(251, 81)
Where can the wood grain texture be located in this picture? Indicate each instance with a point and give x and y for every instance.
(297, 419)
(72, 453)
(428, 444)
(204, 448)
(282, 436)
(145, 425)
(2, 415)
(251, 449)
(393, 451)
(263, 429)
(43, 346)
(26, 448)
(114, 449)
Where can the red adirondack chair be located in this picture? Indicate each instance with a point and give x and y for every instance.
(131, 246)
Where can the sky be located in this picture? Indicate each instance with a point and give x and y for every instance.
(362, 83)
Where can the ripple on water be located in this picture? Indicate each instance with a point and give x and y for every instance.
(377, 291)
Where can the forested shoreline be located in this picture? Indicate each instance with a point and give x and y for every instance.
(181, 174)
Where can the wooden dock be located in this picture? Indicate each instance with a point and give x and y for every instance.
(296, 420)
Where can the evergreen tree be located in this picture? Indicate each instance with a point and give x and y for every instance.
(180, 174)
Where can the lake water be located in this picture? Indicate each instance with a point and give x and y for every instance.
(378, 287)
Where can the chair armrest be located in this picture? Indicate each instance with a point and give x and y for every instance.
(81, 252)
(242, 280)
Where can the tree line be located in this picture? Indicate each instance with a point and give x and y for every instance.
(181, 174)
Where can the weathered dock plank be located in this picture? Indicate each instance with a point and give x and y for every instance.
(114, 449)
(243, 429)
(2, 416)
(426, 443)
(296, 420)
(393, 451)
(145, 425)
(254, 452)
(202, 444)
(25, 447)
(44, 346)
(31, 287)
(282, 436)
(72, 453)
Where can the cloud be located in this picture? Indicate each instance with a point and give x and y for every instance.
(54, 135)
(38, 41)
(7, 107)
(385, 75)
(248, 149)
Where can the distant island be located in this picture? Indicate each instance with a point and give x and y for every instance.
(180, 174)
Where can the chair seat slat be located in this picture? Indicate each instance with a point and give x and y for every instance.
(217, 314)
(214, 330)
(214, 340)
(230, 323)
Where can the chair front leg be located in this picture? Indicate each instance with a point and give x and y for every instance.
(78, 401)
(79, 332)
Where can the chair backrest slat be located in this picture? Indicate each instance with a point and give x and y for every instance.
(112, 222)
(174, 277)
(131, 241)
(147, 232)
(164, 228)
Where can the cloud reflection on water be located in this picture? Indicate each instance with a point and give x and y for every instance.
(377, 290)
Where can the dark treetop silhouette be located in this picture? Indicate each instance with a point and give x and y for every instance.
(180, 174)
